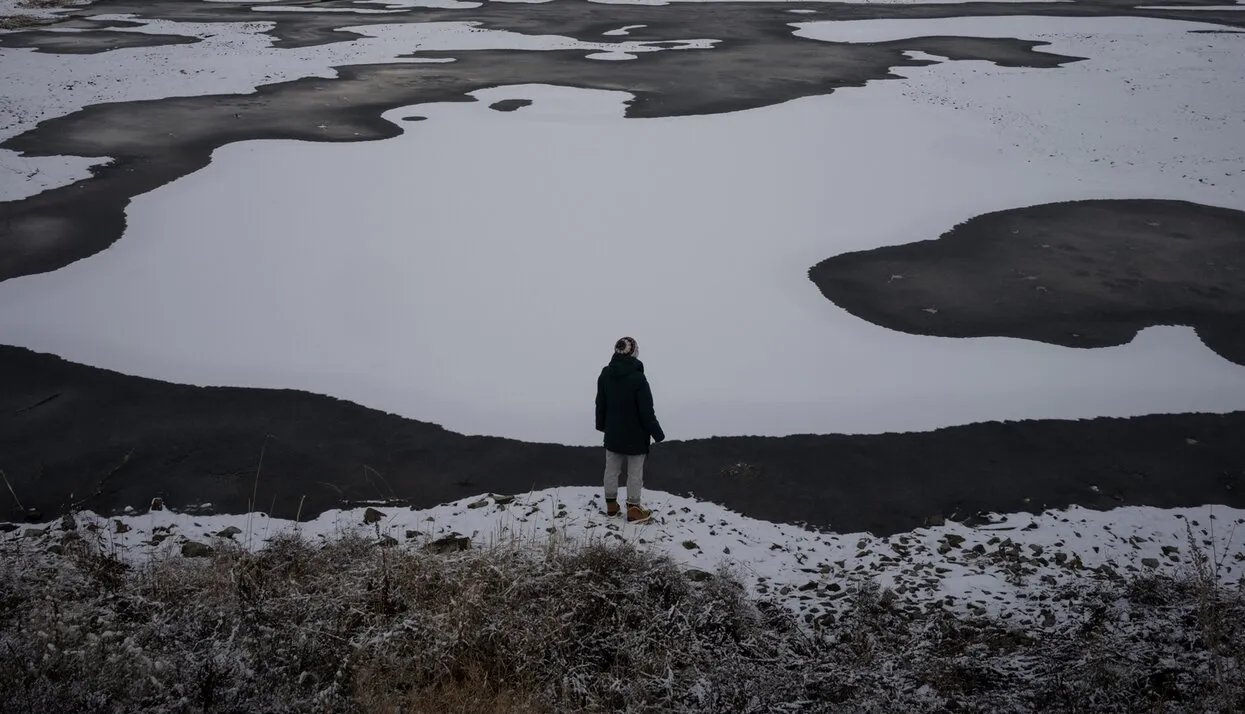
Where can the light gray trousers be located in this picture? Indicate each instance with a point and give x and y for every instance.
(635, 476)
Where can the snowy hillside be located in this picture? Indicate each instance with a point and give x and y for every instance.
(1010, 567)
(538, 602)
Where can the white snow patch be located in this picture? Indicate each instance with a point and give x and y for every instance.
(18, 8)
(1065, 35)
(1190, 7)
(231, 58)
(22, 176)
(1152, 99)
(776, 2)
(807, 570)
(235, 58)
(317, 10)
(438, 4)
(624, 30)
(925, 56)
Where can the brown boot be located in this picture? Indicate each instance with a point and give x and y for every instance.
(611, 508)
(638, 514)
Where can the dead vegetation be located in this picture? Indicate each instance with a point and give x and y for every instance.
(36, 18)
(355, 627)
(49, 4)
(21, 22)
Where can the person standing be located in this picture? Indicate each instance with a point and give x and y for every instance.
(626, 415)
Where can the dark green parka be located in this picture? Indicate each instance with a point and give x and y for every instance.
(625, 407)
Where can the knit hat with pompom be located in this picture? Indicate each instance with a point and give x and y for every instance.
(627, 347)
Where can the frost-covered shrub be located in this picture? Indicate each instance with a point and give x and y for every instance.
(558, 627)
(353, 627)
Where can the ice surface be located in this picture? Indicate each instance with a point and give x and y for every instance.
(229, 58)
(444, 4)
(805, 2)
(625, 29)
(476, 271)
(18, 8)
(235, 58)
(22, 176)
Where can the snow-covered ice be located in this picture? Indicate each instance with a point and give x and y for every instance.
(1154, 99)
(442, 4)
(1192, 7)
(230, 58)
(316, 10)
(1005, 568)
(493, 258)
(849, 2)
(19, 8)
(22, 176)
(1064, 35)
(235, 58)
(475, 271)
(625, 29)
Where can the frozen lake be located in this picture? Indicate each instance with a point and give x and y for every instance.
(475, 270)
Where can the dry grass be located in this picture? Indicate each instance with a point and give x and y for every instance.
(21, 22)
(354, 627)
(48, 4)
(527, 628)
